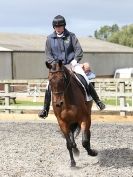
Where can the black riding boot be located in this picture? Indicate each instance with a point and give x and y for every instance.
(91, 91)
(95, 97)
(47, 101)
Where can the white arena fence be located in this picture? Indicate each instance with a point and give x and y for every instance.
(119, 89)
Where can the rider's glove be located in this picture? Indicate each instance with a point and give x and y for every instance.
(74, 62)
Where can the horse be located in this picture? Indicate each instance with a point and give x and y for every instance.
(73, 113)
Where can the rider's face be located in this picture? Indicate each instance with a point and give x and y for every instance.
(59, 29)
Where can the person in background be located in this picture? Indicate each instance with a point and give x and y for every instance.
(63, 45)
(88, 72)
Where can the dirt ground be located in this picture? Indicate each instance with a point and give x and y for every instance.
(52, 118)
(32, 147)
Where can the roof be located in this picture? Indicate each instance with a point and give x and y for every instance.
(29, 42)
(2, 49)
(22, 42)
(90, 44)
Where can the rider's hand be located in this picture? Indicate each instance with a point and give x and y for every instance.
(74, 62)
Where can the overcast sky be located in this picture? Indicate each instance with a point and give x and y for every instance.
(83, 17)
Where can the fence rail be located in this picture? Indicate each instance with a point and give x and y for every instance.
(106, 88)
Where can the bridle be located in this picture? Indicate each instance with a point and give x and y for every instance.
(66, 82)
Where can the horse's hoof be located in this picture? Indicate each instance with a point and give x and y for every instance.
(76, 151)
(73, 164)
(92, 152)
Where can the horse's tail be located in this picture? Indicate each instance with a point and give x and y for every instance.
(75, 128)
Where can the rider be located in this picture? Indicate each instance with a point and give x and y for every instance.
(63, 45)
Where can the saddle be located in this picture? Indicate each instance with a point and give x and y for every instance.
(79, 84)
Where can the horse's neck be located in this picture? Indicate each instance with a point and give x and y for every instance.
(72, 91)
(67, 73)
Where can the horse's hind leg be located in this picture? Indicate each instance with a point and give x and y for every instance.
(86, 143)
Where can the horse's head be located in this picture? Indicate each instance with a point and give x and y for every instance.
(57, 82)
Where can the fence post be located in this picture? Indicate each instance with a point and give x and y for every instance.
(122, 99)
(35, 94)
(7, 98)
(132, 92)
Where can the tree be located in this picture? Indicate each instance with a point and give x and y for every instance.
(115, 28)
(123, 35)
(106, 31)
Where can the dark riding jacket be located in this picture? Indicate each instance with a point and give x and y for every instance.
(65, 48)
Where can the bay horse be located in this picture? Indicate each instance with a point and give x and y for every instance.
(73, 113)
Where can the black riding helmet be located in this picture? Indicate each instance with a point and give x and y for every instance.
(59, 21)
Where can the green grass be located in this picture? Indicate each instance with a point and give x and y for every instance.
(113, 102)
(27, 103)
(109, 101)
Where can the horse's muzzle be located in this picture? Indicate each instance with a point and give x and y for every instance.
(59, 104)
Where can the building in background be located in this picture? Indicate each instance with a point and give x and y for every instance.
(5, 63)
(22, 56)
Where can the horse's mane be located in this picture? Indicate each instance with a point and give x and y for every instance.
(67, 72)
(70, 75)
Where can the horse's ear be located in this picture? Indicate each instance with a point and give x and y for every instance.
(48, 65)
(60, 63)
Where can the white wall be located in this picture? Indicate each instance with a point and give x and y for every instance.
(5, 66)
(29, 65)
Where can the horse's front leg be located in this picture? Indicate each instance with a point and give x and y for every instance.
(75, 149)
(86, 141)
(69, 144)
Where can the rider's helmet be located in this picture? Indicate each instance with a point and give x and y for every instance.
(59, 21)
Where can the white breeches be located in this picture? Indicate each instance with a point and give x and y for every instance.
(47, 85)
(77, 69)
